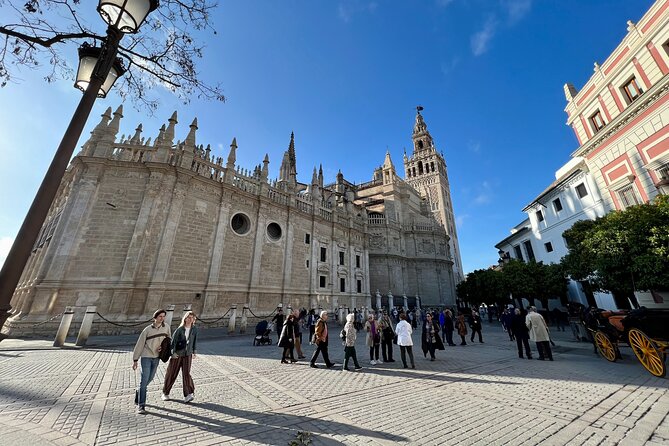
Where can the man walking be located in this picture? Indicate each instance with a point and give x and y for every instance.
(476, 326)
(146, 353)
(539, 333)
(321, 338)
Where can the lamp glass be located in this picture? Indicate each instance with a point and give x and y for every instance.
(85, 71)
(126, 15)
(114, 74)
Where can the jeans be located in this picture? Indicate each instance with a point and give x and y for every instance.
(374, 352)
(387, 349)
(322, 348)
(522, 341)
(147, 368)
(448, 334)
(474, 332)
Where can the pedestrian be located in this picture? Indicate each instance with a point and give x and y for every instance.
(278, 322)
(287, 339)
(539, 333)
(321, 341)
(404, 340)
(349, 342)
(184, 344)
(387, 337)
(461, 326)
(520, 332)
(146, 353)
(476, 326)
(507, 317)
(448, 327)
(299, 318)
(558, 317)
(311, 322)
(373, 339)
(431, 340)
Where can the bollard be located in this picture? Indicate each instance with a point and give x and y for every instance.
(342, 320)
(391, 301)
(233, 320)
(406, 302)
(169, 314)
(86, 325)
(64, 327)
(378, 301)
(417, 301)
(244, 322)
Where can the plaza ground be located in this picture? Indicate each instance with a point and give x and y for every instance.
(479, 394)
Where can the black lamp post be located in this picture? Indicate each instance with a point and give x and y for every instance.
(98, 69)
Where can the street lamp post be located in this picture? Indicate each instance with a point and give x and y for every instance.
(95, 78)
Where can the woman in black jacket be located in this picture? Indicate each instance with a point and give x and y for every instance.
(184, 342)
(287, 339)
(521, 333)
(431, 340)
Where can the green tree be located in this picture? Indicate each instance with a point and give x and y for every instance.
(623, 251)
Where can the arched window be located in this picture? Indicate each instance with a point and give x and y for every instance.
(432, 166)
(420, 144)
(420, 168)
(413, 171)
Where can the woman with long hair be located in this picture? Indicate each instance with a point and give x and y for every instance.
(184, 342)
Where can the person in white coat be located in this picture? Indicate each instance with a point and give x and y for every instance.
(403, 331)
(539, 333)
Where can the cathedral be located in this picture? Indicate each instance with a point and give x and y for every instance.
(139, 225)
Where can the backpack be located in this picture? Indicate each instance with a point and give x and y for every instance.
(342, 335)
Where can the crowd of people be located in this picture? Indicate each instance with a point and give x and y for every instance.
(382, 331)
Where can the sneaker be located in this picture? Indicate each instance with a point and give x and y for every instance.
(345, 369)
(189, 398)
(358, 368)
(381, 361)
(165, 397)
(372, 362)
(141, 410)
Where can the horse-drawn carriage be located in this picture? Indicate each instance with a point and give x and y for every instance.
(645, 330)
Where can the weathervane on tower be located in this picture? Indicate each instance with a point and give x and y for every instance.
(419, 108)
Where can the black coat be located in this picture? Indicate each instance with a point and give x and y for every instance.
(287, 337)
(438, 344)
(448, 323)
(518, 327)
(476, 322)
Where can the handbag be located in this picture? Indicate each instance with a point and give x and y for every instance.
(165, 349)
(180, 344)
(342, 335)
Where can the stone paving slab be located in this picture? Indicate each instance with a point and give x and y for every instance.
(479, 394)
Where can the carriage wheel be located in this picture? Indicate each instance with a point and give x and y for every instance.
(647, 353)
(605, 346)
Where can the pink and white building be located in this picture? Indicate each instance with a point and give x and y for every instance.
(621, 115)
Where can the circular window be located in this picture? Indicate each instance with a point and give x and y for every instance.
(274, 231)
(240, 224)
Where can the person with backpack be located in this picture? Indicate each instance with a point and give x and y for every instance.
(184, 343)
(349, 336)
(147, 354)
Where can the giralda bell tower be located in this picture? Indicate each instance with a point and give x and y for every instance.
(426, 171)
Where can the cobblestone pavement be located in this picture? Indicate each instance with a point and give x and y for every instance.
(479, 394)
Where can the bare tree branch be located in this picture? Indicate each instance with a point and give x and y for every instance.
(39, 34)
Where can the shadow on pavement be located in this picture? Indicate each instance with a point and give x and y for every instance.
(284, 423)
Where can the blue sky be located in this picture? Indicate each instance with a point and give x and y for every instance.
(346, 78)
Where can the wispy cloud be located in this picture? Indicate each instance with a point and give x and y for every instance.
(516, 9)
(484, 194)
(348, 10)
(5, 246)
(481, 39)
(448, 67)
(460, 220)
(474, 146)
